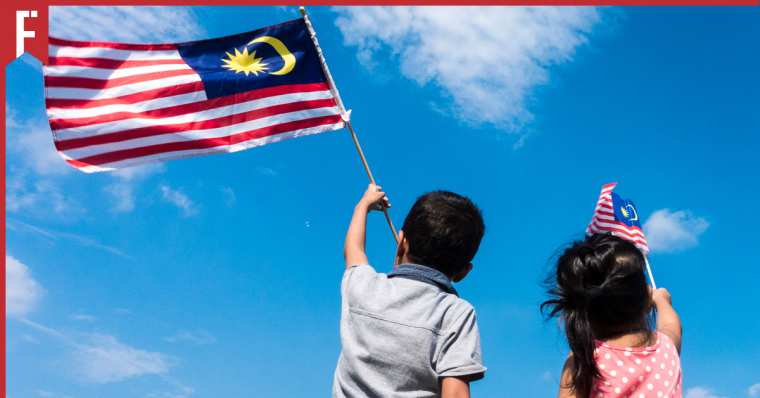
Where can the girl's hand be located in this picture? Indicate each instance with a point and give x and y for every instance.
(373, 198)
(662, 295)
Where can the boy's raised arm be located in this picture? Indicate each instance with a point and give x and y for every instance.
(353, 250)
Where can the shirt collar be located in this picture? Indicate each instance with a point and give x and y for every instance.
(423, 274)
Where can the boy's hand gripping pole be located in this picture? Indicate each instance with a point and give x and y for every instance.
(371, 179)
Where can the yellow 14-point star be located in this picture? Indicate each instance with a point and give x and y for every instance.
(243, 62)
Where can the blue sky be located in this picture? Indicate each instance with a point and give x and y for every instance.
(219, 276)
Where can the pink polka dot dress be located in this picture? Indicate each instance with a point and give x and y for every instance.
(649, 372)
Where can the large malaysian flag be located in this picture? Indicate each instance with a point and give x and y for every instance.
(113, 105)
(618, 217)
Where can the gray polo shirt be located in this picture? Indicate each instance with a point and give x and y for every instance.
(402, 333)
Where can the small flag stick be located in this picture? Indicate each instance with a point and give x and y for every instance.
(651, 278)
(346, 117)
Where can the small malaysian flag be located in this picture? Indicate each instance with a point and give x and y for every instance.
(619, 217)
(113, 105)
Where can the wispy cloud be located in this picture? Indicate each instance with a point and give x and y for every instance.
(104, 359)
(100, 358)
(97, 357)
(90, 242)
(700, 392)
(129, 179)
(486, 60)
(180, 200)
(126, 24)
(29, 339)
(33, 142)
(754, 390)
(35, 170)
(668, 231)
(122, 195)
(22, 292)
(139, 172)
(180, 390)
(40, 199)
(230, 194)
(44, 329)
(200, 337)
(16, 225)
(267, 172)
(82, 317)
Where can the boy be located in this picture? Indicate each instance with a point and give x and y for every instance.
(407, 333)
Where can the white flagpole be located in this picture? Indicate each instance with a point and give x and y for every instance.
(345, 115)
(651, 278)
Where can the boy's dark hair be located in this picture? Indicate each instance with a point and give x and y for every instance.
(598, 290)
(444, 231)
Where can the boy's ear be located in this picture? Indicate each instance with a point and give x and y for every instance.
(403, 247)
(462, 274)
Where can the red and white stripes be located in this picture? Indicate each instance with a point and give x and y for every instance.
(119, 105)
(604, 221)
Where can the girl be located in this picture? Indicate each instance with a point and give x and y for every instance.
(601, 297)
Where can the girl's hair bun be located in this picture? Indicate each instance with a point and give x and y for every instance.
(593, 292)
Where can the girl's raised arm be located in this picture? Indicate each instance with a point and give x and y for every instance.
(668, 321)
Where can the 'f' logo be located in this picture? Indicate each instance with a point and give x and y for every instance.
(21, 34)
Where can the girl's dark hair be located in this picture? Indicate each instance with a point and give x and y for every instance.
(598, 290)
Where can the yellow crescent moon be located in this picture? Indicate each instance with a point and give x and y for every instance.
(290, 59)
(635, 215)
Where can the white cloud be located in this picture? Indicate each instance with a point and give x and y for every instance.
(126, 24)
(754, 390)
(700, 392)
(104, 359)
(486, 60)
(669, 232)
(21, 291)
(180, 200)
(201, 337)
